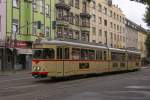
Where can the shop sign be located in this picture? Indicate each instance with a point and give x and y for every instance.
(22, 44)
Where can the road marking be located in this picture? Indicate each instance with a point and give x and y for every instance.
(144, 67)
(138, 87)
(15, 79)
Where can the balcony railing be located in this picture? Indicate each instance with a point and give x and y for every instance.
(85, 14)
(63, 5)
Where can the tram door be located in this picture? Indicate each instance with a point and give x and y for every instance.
(60, 62)
(63, 65)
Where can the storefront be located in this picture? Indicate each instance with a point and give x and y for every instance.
(23, 55)
(2, 45)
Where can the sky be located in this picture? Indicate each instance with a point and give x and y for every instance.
(133, 11)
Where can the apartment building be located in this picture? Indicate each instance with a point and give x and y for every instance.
(142, 36)
(131, 34)
(107, 24)
(32, 20)
(2, 31)
(136, 37)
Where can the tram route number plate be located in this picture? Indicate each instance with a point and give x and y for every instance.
(84, 65)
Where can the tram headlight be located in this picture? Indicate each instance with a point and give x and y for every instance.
(34, 68)
(38, 68)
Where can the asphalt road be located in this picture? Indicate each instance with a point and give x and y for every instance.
(126, 86)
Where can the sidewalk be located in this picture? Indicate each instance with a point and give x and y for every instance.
(7, 73)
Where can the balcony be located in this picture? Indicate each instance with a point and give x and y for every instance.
(85, 29)
(85, 15)
(63, 5)
(87, 0)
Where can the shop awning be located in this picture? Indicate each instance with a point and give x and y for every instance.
(24, 51)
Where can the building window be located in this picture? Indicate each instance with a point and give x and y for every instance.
(16, 3)
(100, 20)
(47, 32)
(105, 10)
(47, 10)
(94, 18)
(85, 22)
(71, 18)
(34, 5)
(85, 36)
(59, 14)
(70, 34)
(100, 32)
(111, 24)
(114, 15)
(34, 27)
(105, 22)
(42, 8)
(15, 26)
(94, 5)
(77, 19)
(84, 9)
(115, 26)
(100, 7)
(65, 33)
(77, 35)
(59, 32)
(94, 30)
(77, 4)
(111, 13)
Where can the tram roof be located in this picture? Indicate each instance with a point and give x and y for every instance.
(56, 42)
(137, 52)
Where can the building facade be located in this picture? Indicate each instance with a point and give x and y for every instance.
(132, 35)
(2, 31)
(107, 24)
(32, 20)
(142, 36)
(72, 20)
(136, 37)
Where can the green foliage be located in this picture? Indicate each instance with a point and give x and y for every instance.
(147, 43)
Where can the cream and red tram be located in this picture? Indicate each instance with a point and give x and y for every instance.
(61, 59)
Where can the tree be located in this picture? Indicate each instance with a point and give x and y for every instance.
(147, 43)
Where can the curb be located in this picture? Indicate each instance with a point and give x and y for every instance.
(14, 73)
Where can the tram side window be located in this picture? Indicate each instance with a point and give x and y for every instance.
(38, 54)
(117, 56)
(105, 55)
(59, 53)
(75, 54)
(49, 53)
(99, 55)
(66, 53)
(84, 54)
(92, 54)
(130, 57)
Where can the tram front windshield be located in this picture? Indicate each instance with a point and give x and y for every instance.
(47, 53)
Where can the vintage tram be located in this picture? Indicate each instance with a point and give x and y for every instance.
(62, 59)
